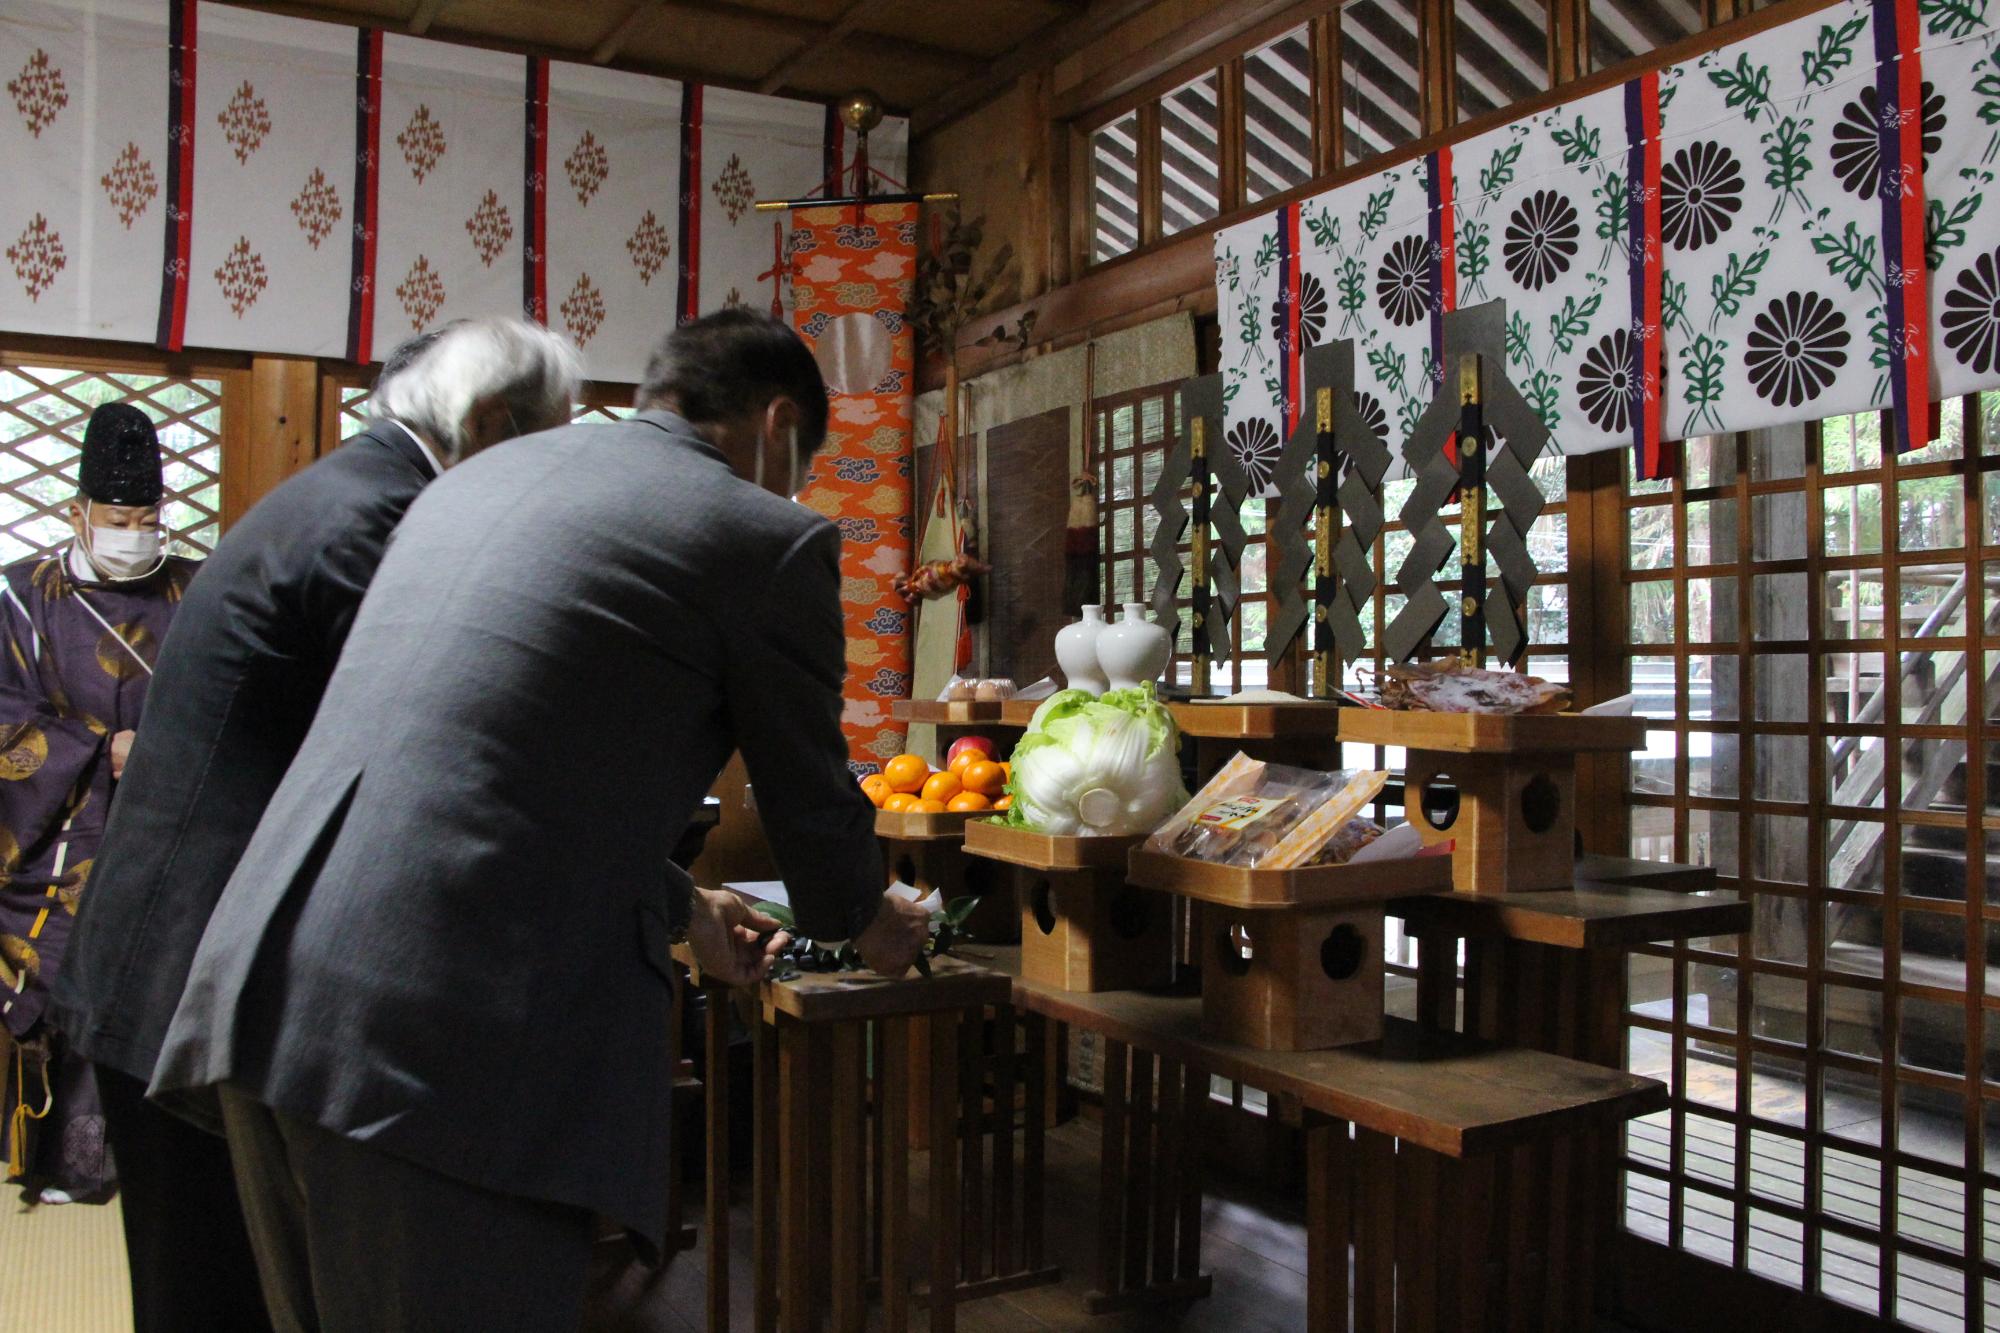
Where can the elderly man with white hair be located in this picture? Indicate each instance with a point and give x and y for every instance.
(237, 683)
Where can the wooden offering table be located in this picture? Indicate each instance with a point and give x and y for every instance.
(1302, 733)
(1500, 787)
(1445, 1165)
(1291, 959)
(1546, 971)
(1083, 927)
(831, 1185)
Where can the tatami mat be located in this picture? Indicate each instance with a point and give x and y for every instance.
(62, 1269)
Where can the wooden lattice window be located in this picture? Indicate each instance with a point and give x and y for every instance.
(1814, 630)
(1132, 434)
(43, 412)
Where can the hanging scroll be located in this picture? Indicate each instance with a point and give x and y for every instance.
(852, 270)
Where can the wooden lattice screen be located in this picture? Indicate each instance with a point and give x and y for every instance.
(1814, 629)
(43, 412)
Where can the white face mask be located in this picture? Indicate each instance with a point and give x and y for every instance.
(123, 553)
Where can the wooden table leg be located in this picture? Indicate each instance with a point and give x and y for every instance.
(848, 1181)
(1375, 1234)
(878, 1118)
(1416, 1234)
(1478, 1250)
(1006, 1093)
(764, 1181)
(796, 1224)
(715, 1110)
(971, 1139)
(1111, 1182)
(944, 1220)
(1169, 1151)
(1143, 1163)
(892, 1073)
(1033, 1139)
(1329, 1213)
(1437, 981)
(1194, 1103)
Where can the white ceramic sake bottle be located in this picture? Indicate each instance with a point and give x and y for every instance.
(1076, 651)
(1134, 650)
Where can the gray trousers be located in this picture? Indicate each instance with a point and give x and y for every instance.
(353, 1240)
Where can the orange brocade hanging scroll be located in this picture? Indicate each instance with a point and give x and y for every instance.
(852, 268)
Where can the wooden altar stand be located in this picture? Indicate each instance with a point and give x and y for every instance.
(832, 1101)
(1439, 1161)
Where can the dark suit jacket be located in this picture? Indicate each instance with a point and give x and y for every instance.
(234, 691)
(449, 937)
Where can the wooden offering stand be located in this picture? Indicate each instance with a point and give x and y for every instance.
(1291, 959)
(1083, 926)
(1500, 787)
(1442, 1166)
(1287, 733)
(831, 1192)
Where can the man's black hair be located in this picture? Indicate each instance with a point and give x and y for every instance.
(735, 361)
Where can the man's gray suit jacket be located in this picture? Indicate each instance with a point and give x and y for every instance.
(448, 937)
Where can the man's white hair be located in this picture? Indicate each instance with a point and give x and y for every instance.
(535, 372)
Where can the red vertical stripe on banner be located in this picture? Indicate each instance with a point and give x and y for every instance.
(535, 255)
(1652, 334)
(1447, 202)
(180, 174)
(1443, 233)
(367, 194)
(1643, 261)
(1914, 275)
(1288, 274)
(689, 296)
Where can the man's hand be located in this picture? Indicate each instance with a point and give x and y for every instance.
(727, 936)
(895, 939)
(121, 749)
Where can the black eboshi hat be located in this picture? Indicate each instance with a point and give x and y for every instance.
(121, 458)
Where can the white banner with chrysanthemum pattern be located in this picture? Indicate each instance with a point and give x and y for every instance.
(1772, 265)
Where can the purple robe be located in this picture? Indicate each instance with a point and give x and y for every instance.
(75, 662)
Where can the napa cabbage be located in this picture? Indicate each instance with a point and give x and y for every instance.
(1097, 765)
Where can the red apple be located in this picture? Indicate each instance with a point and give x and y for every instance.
(964, 743)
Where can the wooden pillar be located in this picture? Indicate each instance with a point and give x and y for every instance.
(1230, 169)
(1328, 133)
(1438, 63)
(279, 436)
(1149, 173)
(1569, 41)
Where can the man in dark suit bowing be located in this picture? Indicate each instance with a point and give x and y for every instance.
(433, 993)
(235, 689)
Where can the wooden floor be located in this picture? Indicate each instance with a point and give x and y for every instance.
(1255, 1247)
(62, 1270)
(1252, 1242)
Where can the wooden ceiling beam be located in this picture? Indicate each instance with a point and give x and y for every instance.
(1038, 50)
(424, 15)
(636, 19)
(828, 39)
(1158, 59)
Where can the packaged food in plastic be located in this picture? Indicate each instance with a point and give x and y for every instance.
(1348, 839)
(1267, 816)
